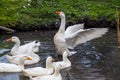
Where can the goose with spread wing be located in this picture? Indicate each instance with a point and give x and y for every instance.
(74, 35)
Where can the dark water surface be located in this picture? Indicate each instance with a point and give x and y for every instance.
(98, 59)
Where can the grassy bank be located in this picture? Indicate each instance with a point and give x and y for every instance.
(23, 14)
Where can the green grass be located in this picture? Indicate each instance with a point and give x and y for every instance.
(39, 12)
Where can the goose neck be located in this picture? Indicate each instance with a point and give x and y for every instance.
(17, 44)
(48, 64)
(65, 59)
(57, 72)
(62, 25)
(21, 64)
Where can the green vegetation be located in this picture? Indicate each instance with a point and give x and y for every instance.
(31, 13)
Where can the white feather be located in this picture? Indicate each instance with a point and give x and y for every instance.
(84, 35)
(8, 67)
(39, 71)
(17, 49)
(65, 63)
(16, 58)
(55, 76)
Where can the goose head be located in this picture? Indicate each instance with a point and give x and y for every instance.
(13, 39)
(23, 59)
(64, 56)
(61, 14)
(50, 59)
(48, 62)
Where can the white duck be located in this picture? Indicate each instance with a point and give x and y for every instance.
(17, 49)
(8, 67)
(16, 58)
(74, 35)
(39, 71)
(55, 76)
(65, 63)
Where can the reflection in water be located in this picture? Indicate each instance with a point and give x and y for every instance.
(9, 76)
(98, 59)
(4, 50)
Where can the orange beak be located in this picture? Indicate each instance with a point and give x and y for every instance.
(9, 40)
(29, 58)
(58, 12)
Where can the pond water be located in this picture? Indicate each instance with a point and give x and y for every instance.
(98, 59)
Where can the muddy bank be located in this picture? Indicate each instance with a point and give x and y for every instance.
(89, 23)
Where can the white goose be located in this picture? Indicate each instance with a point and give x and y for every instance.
(55, 76)
(39, 71)
(16, 58)
(74, 35)
(17, 49)
(8, 67)
(65, 63)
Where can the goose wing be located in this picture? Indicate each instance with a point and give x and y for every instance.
(83, 36)
(74, 28)
(24, 48)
